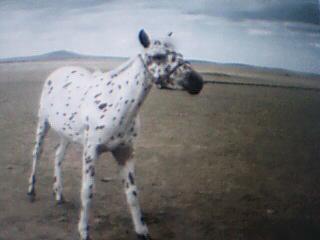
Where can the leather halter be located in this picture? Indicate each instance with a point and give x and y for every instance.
(162, 80)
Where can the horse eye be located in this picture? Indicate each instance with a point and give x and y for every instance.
(159, 57)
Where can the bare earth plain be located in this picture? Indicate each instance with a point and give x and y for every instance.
(235, 162)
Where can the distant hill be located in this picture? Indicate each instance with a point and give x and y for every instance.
(57, 55)
(68, 55)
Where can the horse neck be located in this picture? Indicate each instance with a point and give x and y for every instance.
(133, 82)
(132, 69)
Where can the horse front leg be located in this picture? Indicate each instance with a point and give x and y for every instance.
(124, 156)
(88, 172)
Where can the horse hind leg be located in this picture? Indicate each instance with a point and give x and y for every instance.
(42, 130)
(57, 185)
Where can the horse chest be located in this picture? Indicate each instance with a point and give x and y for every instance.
(111, 117)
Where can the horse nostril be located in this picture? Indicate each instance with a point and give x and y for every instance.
(194, 83)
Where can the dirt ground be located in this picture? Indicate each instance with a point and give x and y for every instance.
(235, 162)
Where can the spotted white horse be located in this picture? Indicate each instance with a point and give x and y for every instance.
(100, 111)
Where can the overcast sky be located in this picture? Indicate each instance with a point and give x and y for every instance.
(272, 33)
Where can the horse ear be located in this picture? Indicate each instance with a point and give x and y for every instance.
(170, 34)
(144, 39)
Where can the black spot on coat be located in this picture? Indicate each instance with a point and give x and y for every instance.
(143, 221)
(66, 85)
(131, 178)
(102, 106)
(99, 127)
(97, 95)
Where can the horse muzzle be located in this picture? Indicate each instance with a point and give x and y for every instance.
(193, 83)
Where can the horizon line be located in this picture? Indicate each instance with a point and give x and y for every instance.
(84, 55)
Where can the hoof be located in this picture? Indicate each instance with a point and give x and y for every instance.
(143, 237)
(85, 235)
(61, 201)
(32, 195)
(87, 238)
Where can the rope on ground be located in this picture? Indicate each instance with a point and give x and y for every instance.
(263, 85)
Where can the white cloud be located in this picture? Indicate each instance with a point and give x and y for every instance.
(315, 44)
(260, 32)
